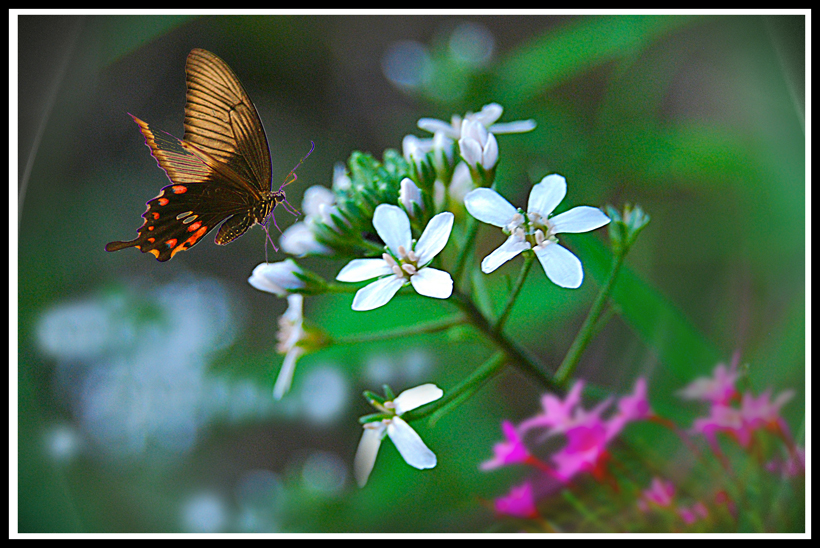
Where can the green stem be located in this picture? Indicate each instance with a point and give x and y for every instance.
(472, 230)
(464, 390)
(518, 356)
(529, 257)
(588, 329)
(427, 327)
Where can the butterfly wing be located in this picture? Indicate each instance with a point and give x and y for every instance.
(221, 121)
(203, 194)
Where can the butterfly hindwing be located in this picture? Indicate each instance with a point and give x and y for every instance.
(200, 198)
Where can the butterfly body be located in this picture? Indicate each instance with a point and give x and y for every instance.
(220, 171)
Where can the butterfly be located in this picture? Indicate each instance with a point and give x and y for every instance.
(220, 171)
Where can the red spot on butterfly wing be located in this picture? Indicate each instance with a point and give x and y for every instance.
(179, 189)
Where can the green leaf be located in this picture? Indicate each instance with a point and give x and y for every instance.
(576, 48)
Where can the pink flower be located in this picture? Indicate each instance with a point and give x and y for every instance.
(660, 493)
(722, 418)
(519, 503)
(719, 389)
(754, 414)
(692, 514)
(761, 413)
(510, 452)
(794, 464)
(557, 414)
(631, 408)
(585, 451)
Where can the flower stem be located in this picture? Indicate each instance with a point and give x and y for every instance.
(464, 390)
(529, 257)
(588, 329)
(472, 229)
(427, 327)
(518, 356)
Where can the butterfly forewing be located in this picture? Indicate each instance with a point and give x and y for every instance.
(220, 119)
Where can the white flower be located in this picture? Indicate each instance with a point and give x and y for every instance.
(402, 263)
(414, 149)
(486, 117)
(291, 332)
(277, 278)
(534, 229)
(299, 239)
(341, 180)
(408, 443)
(410, 194)
(477, 145)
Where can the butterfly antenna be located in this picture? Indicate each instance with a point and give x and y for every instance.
(288, 180)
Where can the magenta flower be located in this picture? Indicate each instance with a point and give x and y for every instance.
(719, 389)
(694, 513)
(759, 412)
(660, 493)
(722, 418)
(794, 464)
(519, 503)
(558, 415)
(585, 451)
(631, 408)
(754, 414)
(510, 452)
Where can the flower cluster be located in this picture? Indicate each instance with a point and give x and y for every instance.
(740, 422)
(391, 217)
(587, 435)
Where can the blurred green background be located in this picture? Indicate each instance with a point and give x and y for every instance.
(145, 388)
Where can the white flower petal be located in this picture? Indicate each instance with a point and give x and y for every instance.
(359, 270)
(393, 226)
(519, 126)
(409, 194)
(285, 378)
(434, 237)
(472, 129)
(470, 151)
(434, 126)
(409, 444)
(432, 282)
(488, 114)
(546, 195)
(416, 397)
(314, 197)
(560, 265)
(509, 249)
(377, 294)
(579, 219)
(276, 278)
(488, 206)
(298, 239)
(367, 451)
(490, 156)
